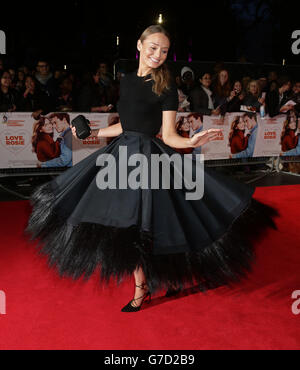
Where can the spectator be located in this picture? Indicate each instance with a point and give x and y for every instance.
(45, 78)
(33, 99)
(91, 98)
(20, 83)
(295, 96)
(235, 99)
(272, 81)
(110, 89)
(253, 96)
(65, 100)
(187, 80)
(13, 78)
(245, 82)
(263, 83)
(8, 96)
(201, 97)
(276, 99)
(221, 90)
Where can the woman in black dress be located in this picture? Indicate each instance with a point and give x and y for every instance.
(158, 235)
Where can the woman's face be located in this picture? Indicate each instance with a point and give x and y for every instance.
(206, 80)
(292, 125)
(253, 89)
(47, 128)
(96, 77)
(237, 87)
(153, 50)
(241, 125)
(29, 83)
(223, 77)
(21, 76)
(6, 79)
(185, 126)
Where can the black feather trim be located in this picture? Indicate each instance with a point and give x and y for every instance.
(81, 250)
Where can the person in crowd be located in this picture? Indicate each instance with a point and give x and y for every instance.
(201, 97)
(65, 100)
(238, 141)
(221, 90)
(45, 78)
(263, 82)
(34, 100)
(295, 96)
(61, 123)
(91, 97)
(235, 99)
(245, 82)
(12, 72)
(253, 97)
(187, 82)
(219, 66)
(20, 83)
(110, 88)
(251, 126)
(272, 81)
(290, 134)
(42, 140)
(9, 98)
(276, 99)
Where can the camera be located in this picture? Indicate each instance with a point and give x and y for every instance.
(82, 125)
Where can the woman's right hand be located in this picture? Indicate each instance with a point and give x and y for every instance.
(204, 137)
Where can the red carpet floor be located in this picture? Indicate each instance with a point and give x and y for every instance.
(46, 312)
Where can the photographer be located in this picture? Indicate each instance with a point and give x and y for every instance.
(235, 99)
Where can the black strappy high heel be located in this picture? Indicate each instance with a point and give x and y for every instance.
(130, 308)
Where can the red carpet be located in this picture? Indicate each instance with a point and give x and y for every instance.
(46, 312)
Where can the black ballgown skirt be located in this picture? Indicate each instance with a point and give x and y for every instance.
(178, 242)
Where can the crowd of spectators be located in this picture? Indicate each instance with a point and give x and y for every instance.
(211, 93)
(42, 91)
(214, 93)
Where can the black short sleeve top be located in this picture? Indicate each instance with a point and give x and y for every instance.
(140, 109)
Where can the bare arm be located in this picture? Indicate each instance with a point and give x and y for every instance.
(173, 139)
(109, 131)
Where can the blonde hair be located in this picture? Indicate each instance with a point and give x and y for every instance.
(161, 75)
(257, 85)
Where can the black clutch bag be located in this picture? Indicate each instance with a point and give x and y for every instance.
(82, 124)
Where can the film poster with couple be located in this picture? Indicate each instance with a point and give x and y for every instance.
(48, 142)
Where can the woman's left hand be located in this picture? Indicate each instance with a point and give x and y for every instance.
(204, 137)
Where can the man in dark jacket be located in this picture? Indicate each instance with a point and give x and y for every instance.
(276, 99)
